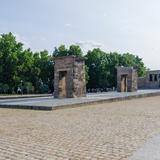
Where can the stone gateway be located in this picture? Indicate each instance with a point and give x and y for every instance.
(126, 79)
(69, 77)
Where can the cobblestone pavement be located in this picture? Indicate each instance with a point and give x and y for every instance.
(113, 131)
(150, 151)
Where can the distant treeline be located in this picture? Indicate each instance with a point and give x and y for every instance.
(34, 72)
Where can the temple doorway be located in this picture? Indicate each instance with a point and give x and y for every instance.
(124, 83)
(62, 84)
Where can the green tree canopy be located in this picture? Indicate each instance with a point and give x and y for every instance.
(9, 50)
(35, 71)
(102, 67)
(19, 65)
(63, 51)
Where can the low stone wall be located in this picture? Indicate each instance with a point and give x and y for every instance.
(150, 81)
(141, 83)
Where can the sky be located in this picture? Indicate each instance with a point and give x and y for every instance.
(113, 25)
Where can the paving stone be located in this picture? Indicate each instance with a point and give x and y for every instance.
(109, 131)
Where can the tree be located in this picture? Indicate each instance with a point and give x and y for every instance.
(75, 50)
(131, 60)
(102, 67)
(17, 64)
(43, 70)
(24, 65)
(96, 61)
(36, 70)
(63, 51)
(60, 51)
(9, 49)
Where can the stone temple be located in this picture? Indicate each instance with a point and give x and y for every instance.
(126, 79)
(69, 77)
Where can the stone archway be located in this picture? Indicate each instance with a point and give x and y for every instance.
(69, 77)
(126, 79)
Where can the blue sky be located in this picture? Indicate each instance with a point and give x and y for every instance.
(113, 25)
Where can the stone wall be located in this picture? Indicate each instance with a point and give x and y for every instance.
(150, 81)
(141, 82)
(74, 79)
(79, 83)
(130, 81)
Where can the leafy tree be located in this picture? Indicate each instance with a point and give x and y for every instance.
(36, 70)
(24, 66)
(75, 50)
(4, 88)
(43, 70)
(60, 51)
(17, 64)
(96, 61)
(9, 49)
(63, 51)
(131, 60)
(102, 67)
(28, 87)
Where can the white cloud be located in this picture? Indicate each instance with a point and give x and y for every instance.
(22, 40)
(68, 25)
(89, 45)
